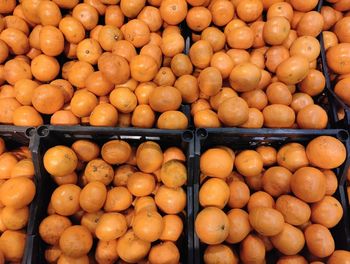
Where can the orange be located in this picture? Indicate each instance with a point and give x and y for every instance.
(149, 157)
(249, 163)
(310, 24)
(114, 67)
(239, 194)
(165, 98)
(24, 167)
(131, 248)
(164, 77)
(319, 240)
(326, 212)
(151, 16)
(266, 221)
(111, 226)
(170, 200)
(268, 155)
(238, 80)
(47, 99)
(86, 14)
(200, 54)
(118, 199)
(51, 40)
(75, 241)
(278, 93)
(222, 12)
(16, 70)
(141, 184)
(275, 55)
(143, 116)
(314, 83)
(27, 116)
(276, 181)
(306, 46)
(212, 225)
(290, 241)
(210, 81)
(106, 251)
(16, 40)
(302, 6)
(12, 244)
(258, 27)
(44, 68)
(312, 117)
(72, 29)
(83, 103)
(280, 9)
(173, 11)
(15, 219)
(65, 87)
(339, 256)
(114, 16)
(331, 152)
(92, 197)
(215, 37)
(309, 184)
(89, 50)
(173, 173)
(99, 170)
(148, 225)
(214, 192)
(252, 249)
(276, 30)
(137, 32)
(131, 8)
(143, 68)
(337, 57)
(240, 37)
(172, 120)
(216, 162)
(198, 18)
(295, 211)
(166, 252)
(86, 150)
(65, 199)
(172, 228)
(52, 227)
(239, 225)
(292, 156)
(116, 151)
(260, 199)
(60, 161)
(249, 10)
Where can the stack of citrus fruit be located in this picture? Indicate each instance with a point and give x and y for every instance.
(271, 198)
(17, 191)
(128, 200)
(256, 63)
(100, 63)
(336, 36)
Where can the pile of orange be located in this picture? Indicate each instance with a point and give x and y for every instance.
(128, 200)
(269, 198)
(99, 63)
(256, 63)
(251, 64)
(17, 190)
(336, 37)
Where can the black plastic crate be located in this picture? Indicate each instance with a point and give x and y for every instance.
(14, 137)
(327, 99)
(335, 102)
(49, 136)
(239, 139)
